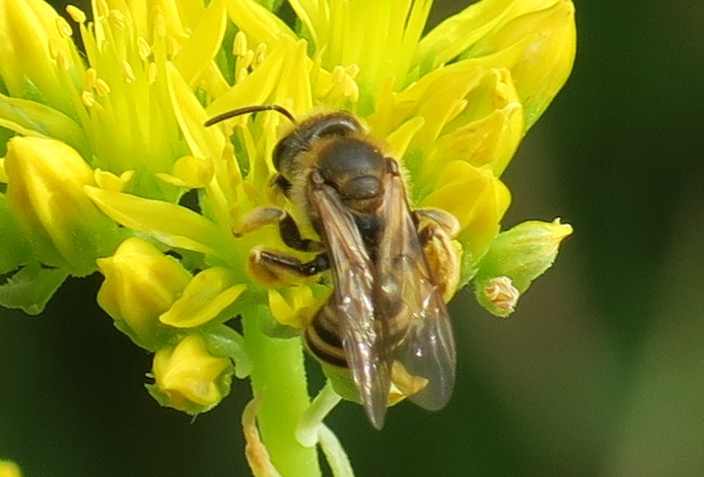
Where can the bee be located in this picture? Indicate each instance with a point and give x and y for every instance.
(393, 269)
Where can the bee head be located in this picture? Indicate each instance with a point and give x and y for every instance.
(355, 169)
(308, 133)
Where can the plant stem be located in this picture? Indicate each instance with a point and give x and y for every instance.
(279, 383)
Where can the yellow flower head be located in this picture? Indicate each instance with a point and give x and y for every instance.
(112, 167)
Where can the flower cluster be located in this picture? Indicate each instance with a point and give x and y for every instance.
(108, 166)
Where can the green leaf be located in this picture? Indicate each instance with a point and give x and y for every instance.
(31, 288)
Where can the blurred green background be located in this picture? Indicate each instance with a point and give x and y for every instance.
(600, 372)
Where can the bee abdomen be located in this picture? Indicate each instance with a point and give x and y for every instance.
(323, 339)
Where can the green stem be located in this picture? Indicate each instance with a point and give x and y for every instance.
(279, 382)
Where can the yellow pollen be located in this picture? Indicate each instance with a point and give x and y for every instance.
(63, 27)
(76, 14)
(91, 77)
(260, 53)
(54, 48)
(352, 70)
(172, 46)
(102, 10)
(338, 73)
(501, 293)
(127, 72)
(118, 19)
(241, 75)
(159, 23)
(88, 98)
(62, 61)
(239, 46)
(350, 88)
(246, 60)
(144, 49)
(101, 87)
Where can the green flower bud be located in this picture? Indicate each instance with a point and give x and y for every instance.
(514, 259)
(140, 284)
(45, 194)
(189, 378)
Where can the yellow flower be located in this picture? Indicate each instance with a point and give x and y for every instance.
(188, 377)
(452, 105)
(123, 124)
(141, 283)
(45, 193)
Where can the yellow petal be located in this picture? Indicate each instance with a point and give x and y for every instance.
(204, 43)
(476, 198)
(539, 48)
(203, 142)
(171, 224)
(204, 298)
(258, 23)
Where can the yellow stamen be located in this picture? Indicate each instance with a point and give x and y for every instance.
(239, 46)
(76, 14)
(63, 27)
(127, 72)
(144, 49)
(117, 18)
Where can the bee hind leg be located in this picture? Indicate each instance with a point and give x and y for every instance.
(274, 269)
(436, 231)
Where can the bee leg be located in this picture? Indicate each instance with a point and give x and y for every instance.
(273, 269)
(436, 230)
(288, 228)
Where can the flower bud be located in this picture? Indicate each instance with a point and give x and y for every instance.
(33, 37)
(189, 378)
(45, 194)
(140, 284)
(514, 259)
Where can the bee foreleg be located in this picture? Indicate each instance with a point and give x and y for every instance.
(288, 228)
(274, 269)
(436, 231)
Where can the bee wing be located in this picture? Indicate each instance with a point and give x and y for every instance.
(410, 304)
(353, 303)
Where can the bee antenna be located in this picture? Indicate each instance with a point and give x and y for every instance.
(251, 109)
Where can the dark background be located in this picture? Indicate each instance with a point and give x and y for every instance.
(600, 372)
